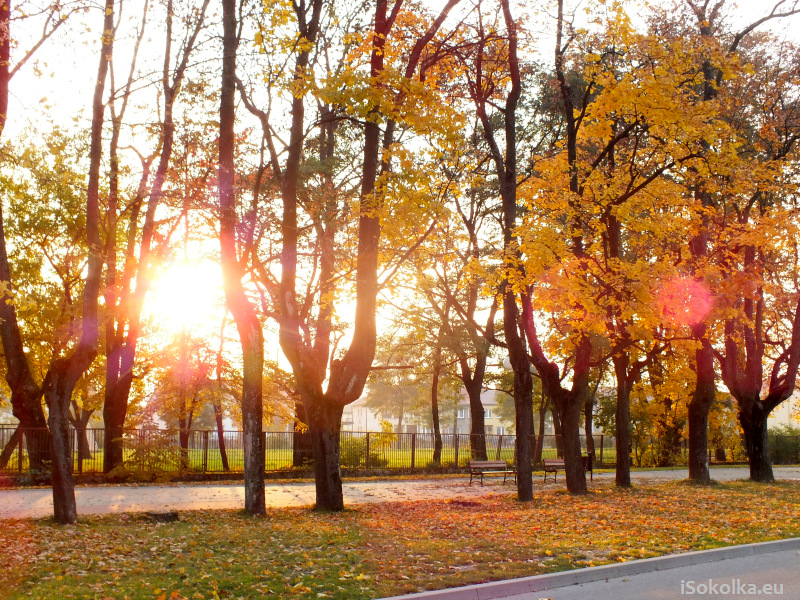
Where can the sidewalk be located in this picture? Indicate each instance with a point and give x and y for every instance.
(749, 570)
(37, 503)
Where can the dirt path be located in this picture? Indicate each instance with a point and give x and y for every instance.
(35, 503)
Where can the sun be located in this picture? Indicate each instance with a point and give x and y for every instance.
(187, 296)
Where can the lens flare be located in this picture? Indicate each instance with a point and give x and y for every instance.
(684, 301)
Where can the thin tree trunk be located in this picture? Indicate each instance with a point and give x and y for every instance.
(557, 430)
(217, 402)
(622, 420)
(588, 410)
(477, 423)
(11, 445)
(64, 373)
(244, 314)
(699, 407)
(437, 367)
(543, 408)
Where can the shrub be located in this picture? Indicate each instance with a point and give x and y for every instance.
(153, 455)
(784, 444)
(353, 453)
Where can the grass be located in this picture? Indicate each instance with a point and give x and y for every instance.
(384, 549)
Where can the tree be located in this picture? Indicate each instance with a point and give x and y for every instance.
(761, 332)
(244, 314)
(496, 66)
(720, 47)
(26, 394)
(328, 378)
(125, 291)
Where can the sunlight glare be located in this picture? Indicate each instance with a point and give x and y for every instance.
(187, 296)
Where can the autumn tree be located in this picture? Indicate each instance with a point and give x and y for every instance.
(760, 354)
(26, 393)
(720, 47)
(127, 284)
(494, 77)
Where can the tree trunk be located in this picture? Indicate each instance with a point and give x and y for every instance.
(324, 427)
(588, 411)
(523, 394)
(58, 388)
(754, 424)
(477, 423)
(622, 420)
(80, 421)
(183, 443)
(221, 436)
(26, 396)
(543, 408)
(302, 448)
(570, 431)
(244, 314)
(557, 430)
(11, 445)
(437, 432)
(699, 406)
(119, 379)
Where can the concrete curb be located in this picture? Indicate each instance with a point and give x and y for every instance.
(538, 583)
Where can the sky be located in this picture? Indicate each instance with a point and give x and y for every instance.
(56, 88)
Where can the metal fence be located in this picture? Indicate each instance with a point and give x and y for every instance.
(157, 451)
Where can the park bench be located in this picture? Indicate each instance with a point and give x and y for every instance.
(552, 465)
(490, 467)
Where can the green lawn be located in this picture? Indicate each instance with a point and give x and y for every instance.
(383, 549)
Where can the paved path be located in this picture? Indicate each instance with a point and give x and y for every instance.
(750, 570)
(130, 498)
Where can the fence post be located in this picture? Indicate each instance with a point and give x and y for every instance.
(263, 450)
(601, 450)
(205, 450)
(455, 449)
(413, 449)
(19, 452)
(366, 458)
(76, 446)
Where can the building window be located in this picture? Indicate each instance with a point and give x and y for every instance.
(487, 413)
(488, 430)
(501, 430)
(462, 413)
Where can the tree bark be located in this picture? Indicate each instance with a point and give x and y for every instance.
(622, 420)
(699, 407)
(754, 424)
(325, 427)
